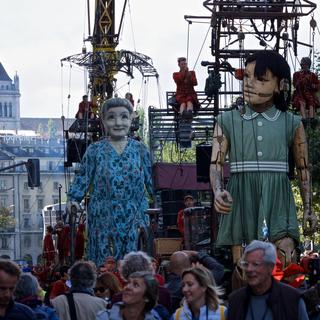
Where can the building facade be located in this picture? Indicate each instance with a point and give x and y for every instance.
(26, 204)
(9, 101)
(20, 140)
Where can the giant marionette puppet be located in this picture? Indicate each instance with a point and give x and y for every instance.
(117, 171)
(258, 202)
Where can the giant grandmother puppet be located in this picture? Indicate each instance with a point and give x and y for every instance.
(116, 171)
(258, 202)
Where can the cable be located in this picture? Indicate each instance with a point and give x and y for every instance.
(203, 43)
(132, 32)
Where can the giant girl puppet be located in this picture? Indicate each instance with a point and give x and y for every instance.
(258, 202)
(116, 171)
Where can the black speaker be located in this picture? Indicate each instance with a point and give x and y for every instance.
(203, 159)
(76, 148)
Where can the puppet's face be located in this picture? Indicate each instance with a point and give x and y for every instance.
(117, 122)
(259, 91)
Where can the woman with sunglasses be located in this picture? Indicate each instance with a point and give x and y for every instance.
(106, 286)
(201, 296)
(139, 297)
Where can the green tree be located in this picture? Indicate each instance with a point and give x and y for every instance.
(174, 154)
(40, 129)
(52, 130)
(7, 220)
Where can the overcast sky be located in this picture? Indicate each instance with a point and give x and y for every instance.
(36, 34)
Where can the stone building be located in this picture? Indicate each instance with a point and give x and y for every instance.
(9, 101)
(20, 140)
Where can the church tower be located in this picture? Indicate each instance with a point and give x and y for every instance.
(9, 101)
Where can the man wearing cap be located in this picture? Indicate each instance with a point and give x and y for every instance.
(188, 202)
(110, 265)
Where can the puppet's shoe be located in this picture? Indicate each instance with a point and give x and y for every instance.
(188, 115)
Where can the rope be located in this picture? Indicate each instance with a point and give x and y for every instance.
(69, 90)
(203, 43)
(131, 26)
(61, 91)
(188, 39)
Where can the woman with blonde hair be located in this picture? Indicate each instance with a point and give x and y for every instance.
(201, 296)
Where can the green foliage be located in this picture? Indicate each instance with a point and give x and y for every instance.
(142, 132)
(40, 129)
(52, 130)
(317, 62)
(7, 221)
(313, 134)
(171, 153)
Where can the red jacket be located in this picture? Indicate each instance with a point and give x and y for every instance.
(185, 82)
(79, 243)
(48, 248)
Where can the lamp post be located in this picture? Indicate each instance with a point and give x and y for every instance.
(60, 187)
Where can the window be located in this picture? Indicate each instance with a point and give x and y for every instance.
(55, 200)
(27, 241)
(40, 221)
(40, 241)
(5, 110)
(10, 109)
(3, 184)
(4, 242)
(50, 165)
(55, 185)
(26, 205)
(0, 109)
(3, 202)
(40, 204)
(26, 222)
(25, 186)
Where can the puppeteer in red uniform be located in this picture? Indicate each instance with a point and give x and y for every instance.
(85, 110)
(48, 247)
(79, 243)
(306, 85)
(185, 93)
(188, 202)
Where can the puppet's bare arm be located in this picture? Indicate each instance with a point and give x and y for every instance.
(300, 150)
(223, 199)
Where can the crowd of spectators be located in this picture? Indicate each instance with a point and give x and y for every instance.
(189, 286)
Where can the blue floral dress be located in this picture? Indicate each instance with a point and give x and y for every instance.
(118, 186)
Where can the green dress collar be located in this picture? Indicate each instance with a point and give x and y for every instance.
(272, 114)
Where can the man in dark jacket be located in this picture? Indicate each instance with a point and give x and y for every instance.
(181, 260)
(9, 309)
(264, 297)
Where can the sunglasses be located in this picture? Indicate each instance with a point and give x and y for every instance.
(100, 289)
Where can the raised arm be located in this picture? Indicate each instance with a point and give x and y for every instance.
(223, 199)
(300, 150)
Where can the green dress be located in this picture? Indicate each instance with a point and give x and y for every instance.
(261, 191)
